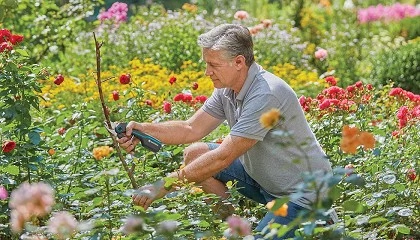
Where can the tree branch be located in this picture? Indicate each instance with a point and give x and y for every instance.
(106, 112)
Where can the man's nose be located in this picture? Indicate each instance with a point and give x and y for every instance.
(208, 72)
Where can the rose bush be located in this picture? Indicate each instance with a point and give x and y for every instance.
(55, 147)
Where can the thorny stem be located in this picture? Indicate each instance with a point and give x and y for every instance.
(106, 113)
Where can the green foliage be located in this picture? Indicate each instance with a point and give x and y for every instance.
(376, 200)
(46, 25)
(400, 65)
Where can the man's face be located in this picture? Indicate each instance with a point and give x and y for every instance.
(221, 71)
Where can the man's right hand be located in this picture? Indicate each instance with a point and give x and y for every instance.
(129, 142)
(145, 195)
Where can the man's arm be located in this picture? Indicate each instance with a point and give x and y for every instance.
(198, 170)
(212, 162)
(173, 132)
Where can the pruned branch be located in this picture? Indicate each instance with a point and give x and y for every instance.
(106, 112)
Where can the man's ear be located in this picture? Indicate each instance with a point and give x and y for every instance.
(240, 62)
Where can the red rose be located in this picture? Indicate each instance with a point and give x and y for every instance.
(59, 79)
(411, 174)
(148, 102)
(115, 95)
(125, 78)
(8, 146)
(5, 46)
(359, 84)
(16, 39)
(179, 97)
(167, 107)
(172, 80)
(194, 85)
(187, 97)
(5, 35)
(201, 98)
(61, 131)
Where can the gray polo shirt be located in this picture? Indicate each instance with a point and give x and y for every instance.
(282, 153)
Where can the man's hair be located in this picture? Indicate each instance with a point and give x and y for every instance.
(232, 39)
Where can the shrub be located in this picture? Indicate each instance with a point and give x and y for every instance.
(400, 65)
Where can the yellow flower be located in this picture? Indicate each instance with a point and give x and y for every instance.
(196, 190)
(271, 118)
(101, 152)
(281, 211)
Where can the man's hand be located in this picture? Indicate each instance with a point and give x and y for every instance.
(145, 195)
(129, 142)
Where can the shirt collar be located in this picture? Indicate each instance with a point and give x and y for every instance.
(253, 70)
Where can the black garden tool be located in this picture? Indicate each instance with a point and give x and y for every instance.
(147, 141)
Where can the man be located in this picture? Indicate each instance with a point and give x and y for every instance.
(265, 165)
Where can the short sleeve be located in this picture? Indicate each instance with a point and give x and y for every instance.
(214, 105)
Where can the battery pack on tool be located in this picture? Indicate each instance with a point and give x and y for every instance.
(146, 140)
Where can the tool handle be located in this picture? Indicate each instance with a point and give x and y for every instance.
(146, 140)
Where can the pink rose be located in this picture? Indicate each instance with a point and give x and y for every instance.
(321, 54)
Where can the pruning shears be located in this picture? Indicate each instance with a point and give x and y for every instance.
(147, 141)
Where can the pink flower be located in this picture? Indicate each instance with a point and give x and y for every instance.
(167, 226)
(132, 225)
(62, 225)
(267, 23)
(3, 193)
(321, 54)
(331, 80)
(30, 200)
(117, 13)
(167, 107)
(241, 15)
(238, 226)
(395, 91)
(403, 112)
(324, 104)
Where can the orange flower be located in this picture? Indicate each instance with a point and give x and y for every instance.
(350, 131)
(101, 152)
(271, 118)
(282, 211)
(352, 138)
(349, 144)
(367, 140)
(51, 151)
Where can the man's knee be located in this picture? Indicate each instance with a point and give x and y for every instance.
(193, 151)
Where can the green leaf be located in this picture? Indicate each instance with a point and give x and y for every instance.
(399, 187)
(401, 228)
(169, 181)
(22, 52)
(11, 169)
(34, 137)
(378, 219)
(352, 205)
(334, 192)
(356, 180)
(203, 224)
